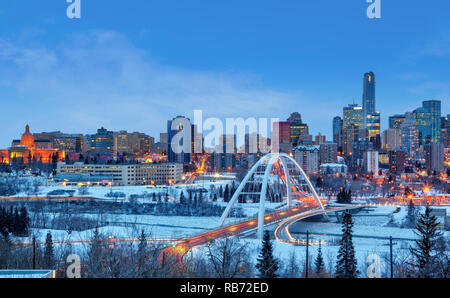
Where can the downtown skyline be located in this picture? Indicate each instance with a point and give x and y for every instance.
(77, 76)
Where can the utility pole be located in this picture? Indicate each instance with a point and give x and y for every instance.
(34, 252)
(392, 265)
(307, 254)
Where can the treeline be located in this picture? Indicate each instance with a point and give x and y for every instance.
(14, 221)
(344, 196)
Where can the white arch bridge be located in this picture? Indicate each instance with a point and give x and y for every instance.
(276, 177)
(288, 179)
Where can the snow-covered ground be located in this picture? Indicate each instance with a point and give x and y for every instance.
(101, 191)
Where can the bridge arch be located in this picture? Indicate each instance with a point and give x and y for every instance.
(266, 163)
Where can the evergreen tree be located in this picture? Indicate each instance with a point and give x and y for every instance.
(48, 252)
(267, 265)
(411, 217)
(142, 247)
(319, 263)
(226, 194)
(346, 264)
(16, 226)
(95, 255)
(24, 221)
(425, 250)
(142, 242)
(182, 199)
(344, 197)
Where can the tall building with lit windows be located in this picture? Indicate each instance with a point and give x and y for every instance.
(445, 131)
(353, 115)
(428, 119)
(434, 108)
(299, 130)
(373, 128)
(391, 139)
(182, 153)
(368, 94)
(102, 143)
(410, 135)
(396, 121)
(434, 157)
(352, 127)
(337, 132)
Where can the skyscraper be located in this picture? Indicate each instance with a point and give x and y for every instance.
(181, 149)
(434, 157)
(428, 120)
(353, 127)
(434, 108)
(396, 121)
(410, 135)
(353, 115)
(445, 131)
(368, 94)
(299, 130)
(373, 128)
(337, 131)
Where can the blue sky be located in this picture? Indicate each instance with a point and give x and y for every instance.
(134, 64)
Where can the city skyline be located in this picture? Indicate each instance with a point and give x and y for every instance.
(82, 72)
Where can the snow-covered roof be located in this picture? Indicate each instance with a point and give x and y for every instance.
(333, 165)
(307, 148)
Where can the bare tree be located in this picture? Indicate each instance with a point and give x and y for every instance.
(229, 258)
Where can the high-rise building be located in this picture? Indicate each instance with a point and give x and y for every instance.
(299, 130)
(396, 121)
(135, 143)
(397, 160)
(69, 143)
(428, 120)
(368, 94)
(353, 115)
(102, 143)
(121, 143)
(224, 160)
(320, 139)
(197, 140)
(445, 131)
(353, 127)
(337, 131)
(281, 132)
(434, 157)
(371, 162)
(410, 135)
(434, 108)
(359, 149)
(163, 143)
(373, 128)
(308, 158)
(391, 139)
(328, 153)
(181, 151)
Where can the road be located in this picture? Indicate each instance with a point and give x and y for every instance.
(282, 233)
(177, 251)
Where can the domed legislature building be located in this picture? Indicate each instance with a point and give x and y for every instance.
(27, 151)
